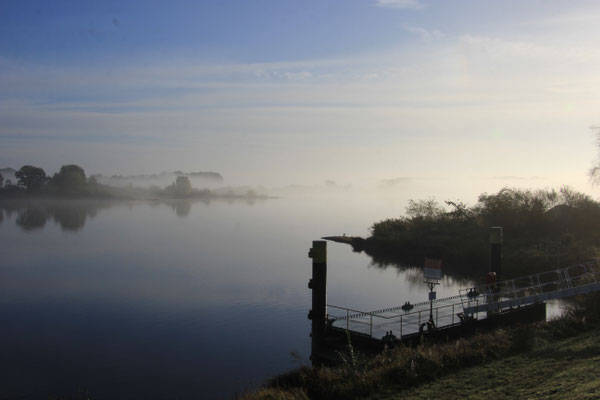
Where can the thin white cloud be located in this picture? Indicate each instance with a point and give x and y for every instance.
(565, 18)
(525, 93)
(410, 4)
(517, 178)
(425, 34)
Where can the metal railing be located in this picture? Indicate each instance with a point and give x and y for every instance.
(474, 302)
(558, 283)
(410, 322)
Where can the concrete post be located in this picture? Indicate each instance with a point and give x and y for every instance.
(496, 251)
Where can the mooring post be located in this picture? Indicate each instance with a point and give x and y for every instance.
(318, 284)
(496, 251)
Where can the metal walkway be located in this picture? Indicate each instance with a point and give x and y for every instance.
(474, 302)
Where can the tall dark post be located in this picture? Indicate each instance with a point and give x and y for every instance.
(496, 251)
(318, 284)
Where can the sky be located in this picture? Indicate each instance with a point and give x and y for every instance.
(275, 92)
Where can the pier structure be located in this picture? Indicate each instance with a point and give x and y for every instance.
(473, 303)
(493, 300)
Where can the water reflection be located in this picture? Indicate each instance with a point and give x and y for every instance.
(414, 276)
(33, 215)
(32, 218)
(71, 215)
(140, 303)
(451, 275)
(462, 273)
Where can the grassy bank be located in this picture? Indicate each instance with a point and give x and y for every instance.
(478, 365)
(563, 369)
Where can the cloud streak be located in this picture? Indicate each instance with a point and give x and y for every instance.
(466, 102)
(425, 34)
(403, 4)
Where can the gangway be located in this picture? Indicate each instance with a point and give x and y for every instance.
(555, 284)
(471, 303)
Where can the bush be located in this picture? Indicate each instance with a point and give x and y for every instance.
(542, 229)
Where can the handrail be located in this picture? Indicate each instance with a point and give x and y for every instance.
(396, 308)
(583, 277)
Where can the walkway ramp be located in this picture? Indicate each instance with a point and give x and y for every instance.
(475, 302)
(559, 283)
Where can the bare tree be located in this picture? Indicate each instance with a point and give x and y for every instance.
(594, 171)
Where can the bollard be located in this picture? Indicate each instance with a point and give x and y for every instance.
(496, 251)
(318, 284)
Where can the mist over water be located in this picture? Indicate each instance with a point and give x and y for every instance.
(176, 298)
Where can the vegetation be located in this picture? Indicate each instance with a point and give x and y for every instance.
(33, 179)
(566, 369)
(594, 172)
(116, 179)
(542, 229)
(71, 182)
(489, 360)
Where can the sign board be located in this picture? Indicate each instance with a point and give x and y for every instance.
(433, 269)
(432, 295)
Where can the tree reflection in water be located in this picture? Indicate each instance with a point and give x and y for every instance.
(71, 215)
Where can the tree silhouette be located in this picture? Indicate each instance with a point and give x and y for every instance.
(70, 180)
(181, 187)
(32, 178)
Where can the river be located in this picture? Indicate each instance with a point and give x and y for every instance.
(177, 299)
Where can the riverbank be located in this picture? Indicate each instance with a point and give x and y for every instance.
(563, 369)
(545, 360)
(542, 229)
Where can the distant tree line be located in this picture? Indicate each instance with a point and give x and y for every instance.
(69, 181)
(200, 174)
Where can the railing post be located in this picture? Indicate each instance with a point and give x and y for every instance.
(318, 284)
(496, 251)
(452, 314)
(401, 327)
(371, 326)
(347, 319)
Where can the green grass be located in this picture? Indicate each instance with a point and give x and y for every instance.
(566, 369)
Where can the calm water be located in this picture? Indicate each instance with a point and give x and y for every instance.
(176, 300)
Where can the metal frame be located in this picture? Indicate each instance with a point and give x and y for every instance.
(563, 282)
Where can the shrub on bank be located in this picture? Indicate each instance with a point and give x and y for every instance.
(543, 229)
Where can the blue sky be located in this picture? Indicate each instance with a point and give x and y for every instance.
(283, 91)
